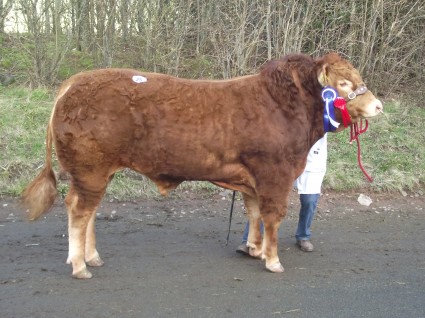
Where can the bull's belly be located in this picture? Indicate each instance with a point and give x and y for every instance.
(168, 176)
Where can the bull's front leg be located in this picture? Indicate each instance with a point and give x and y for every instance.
(273, 207)
(254, 235)
(270, 239)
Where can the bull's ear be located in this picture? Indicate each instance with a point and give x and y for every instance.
(322, 74)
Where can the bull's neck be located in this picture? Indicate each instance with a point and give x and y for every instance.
(315, 115)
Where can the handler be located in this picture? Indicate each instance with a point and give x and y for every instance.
(309, 185)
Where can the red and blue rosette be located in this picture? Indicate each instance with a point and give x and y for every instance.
(329, 94)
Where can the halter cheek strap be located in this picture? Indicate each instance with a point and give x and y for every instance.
(359, 91)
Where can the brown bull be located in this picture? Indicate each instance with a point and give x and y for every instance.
(250, 134)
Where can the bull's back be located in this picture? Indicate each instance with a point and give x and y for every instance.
(119, 104)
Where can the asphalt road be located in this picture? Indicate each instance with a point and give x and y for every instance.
(168, 258)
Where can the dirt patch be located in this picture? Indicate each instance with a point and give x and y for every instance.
(168, 258)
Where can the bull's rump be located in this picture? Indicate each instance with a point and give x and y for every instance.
(184, 128)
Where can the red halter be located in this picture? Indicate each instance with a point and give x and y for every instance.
(354, 135)
(355, 132)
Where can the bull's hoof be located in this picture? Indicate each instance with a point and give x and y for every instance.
(82, 274)
(95, 262)
(256, 253)
(275, 268)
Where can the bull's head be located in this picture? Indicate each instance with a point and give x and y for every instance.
(334, 71)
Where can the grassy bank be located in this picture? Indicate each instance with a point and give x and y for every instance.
(393, 150)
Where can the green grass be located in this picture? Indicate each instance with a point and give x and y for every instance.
(393, 150)
(23, 118)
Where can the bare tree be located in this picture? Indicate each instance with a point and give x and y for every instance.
(5, 8)
(124, 21)
(82, 15)
(385, 39)
(45, 58)
(105, 29)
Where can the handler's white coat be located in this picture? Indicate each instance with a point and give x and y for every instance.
(310, 181)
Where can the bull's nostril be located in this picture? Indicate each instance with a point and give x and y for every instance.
(379, 108)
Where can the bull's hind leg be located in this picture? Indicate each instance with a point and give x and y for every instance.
(81, 205)
(254, 234)
(92, 256)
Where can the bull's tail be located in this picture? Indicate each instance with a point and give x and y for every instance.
(40, 194)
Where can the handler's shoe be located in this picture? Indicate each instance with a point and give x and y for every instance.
(305, 245)
(243, 249)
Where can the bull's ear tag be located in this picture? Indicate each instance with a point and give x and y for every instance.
(329, 93)
(139, 79)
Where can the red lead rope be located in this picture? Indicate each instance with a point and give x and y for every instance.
(354, 135)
